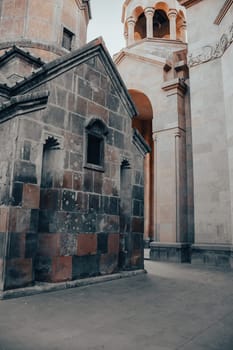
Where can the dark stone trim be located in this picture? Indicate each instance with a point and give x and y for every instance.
(16, 51)
(219, 255)
(140, 143)
(23, 104)
(170, 252)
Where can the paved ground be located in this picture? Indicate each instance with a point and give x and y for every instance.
(173, 307)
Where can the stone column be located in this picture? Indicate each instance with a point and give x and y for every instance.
(172, 14)
(155, 237)
(131, 25)
(177, 175)
(183, 31)
(149, 13)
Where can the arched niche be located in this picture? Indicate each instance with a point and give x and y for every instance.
(160, 24)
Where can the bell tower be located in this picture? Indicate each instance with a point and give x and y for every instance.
(154, 67)
(47, 29)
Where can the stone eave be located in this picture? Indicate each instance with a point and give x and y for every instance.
(73, 59)
(16, 51)
(23, 104)
(189, 3)
(140, 143)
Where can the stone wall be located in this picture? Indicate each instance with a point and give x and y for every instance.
(66, 218)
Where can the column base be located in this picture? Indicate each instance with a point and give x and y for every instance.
(219, 255)
(147, 242)
(170, 252)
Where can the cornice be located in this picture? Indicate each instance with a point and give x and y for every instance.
(223, 11)
(189, 3)
(140, 143)
(211, 52)
(22, 104)
(175, 84)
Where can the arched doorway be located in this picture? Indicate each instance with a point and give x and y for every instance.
(143, 123)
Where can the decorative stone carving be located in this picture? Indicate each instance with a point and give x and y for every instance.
(211, 52)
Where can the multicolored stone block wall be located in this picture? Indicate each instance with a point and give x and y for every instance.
(69, 227)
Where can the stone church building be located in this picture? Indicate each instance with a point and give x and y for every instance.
(92, 160)
(71, 175)
(177, 66)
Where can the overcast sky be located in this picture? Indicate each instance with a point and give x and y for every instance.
(106, 22)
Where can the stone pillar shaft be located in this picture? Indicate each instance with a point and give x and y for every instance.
(149, 13)
(131, 25)
(172, 14)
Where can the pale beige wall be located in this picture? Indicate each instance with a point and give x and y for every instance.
(211, 101)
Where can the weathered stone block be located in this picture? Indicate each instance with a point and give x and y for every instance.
(87, 244)
(4, 214)
(93, 76)
(77, 123)
(98, 182)
(116, 121)
(84, 88)
(49, 244)
(43, 268)
(138, 192)
(16, 248)
(68, 179)
(77, 181)
(99, 96)
(46, 222)
(113, 206)
(17, 193)
(31, 196)
(82, 201)
(2, 244)
(113, 102)
(88, 185)
(68, 244)
(55, 116)
(76, 161)
(31, 243)
(94, 203)
(119, 139)
(95, 110)
(68, 200)
(61, 268)
(18, 273)
(50, 199)
(85, 266)
(137, 225)
(102, 245)
(113, 243)
(19, 220)
(108, 263)
(25, 172)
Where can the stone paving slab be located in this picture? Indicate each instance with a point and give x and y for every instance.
(172, 307)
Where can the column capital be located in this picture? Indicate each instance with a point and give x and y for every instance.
(172, 13)
(149, 11)
(131, 20)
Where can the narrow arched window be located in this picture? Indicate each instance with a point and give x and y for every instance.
(96, 130)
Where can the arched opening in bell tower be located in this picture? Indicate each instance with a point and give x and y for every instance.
(143, 123)
(160, 24)
(140, 25)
